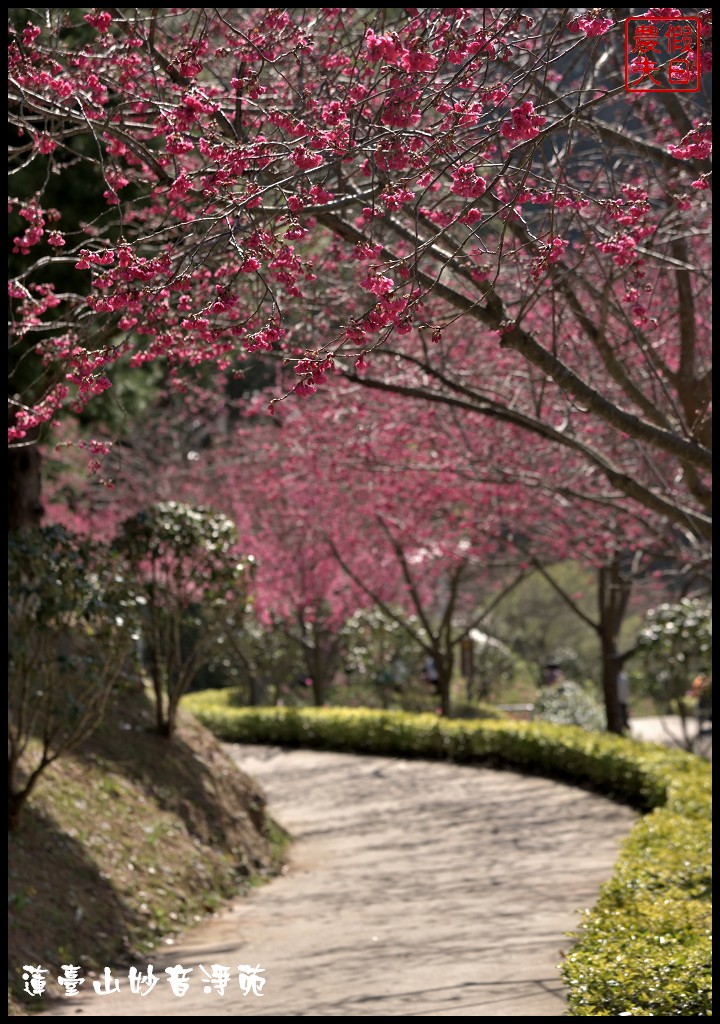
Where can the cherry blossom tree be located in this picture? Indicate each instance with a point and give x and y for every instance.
(340, 513)
(459, 204)
(363, 498)
(301, 592)
(430, 523)
(427, 515)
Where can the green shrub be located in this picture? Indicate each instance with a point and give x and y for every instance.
(566, 703)
(471, 712)
(68, 639)
(675, 645)
(184, 565)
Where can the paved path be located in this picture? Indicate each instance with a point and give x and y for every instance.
(415, 889)
(667, 729)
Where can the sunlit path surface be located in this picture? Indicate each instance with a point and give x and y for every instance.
(414, 889)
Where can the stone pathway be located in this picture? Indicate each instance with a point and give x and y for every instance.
(414, 888)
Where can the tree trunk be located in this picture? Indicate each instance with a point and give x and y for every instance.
(16, 802)
(614, 589)
(257, 690)
(444, 665)
(319, 678)
(25, 508)
(611, 666)
(321, 658)
(157, 681)
(17, 798)
(168, 730)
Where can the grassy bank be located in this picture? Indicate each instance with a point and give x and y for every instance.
(127, 841)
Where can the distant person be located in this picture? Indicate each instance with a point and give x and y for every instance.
(399, 672)
(551, 673)
(432, 676)
(623, 692)
(386, 684)
(701, 691)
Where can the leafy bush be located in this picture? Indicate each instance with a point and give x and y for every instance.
(644, 950)
(472, 712)
(255, 659)
(185, 572)
(675, 645)
(374, 643)
(566, 703)
(494, 666)
(67, 641)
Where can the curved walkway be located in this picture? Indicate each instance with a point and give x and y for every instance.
(668, 730)
(414, 889)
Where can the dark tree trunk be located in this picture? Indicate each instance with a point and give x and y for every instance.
(322, 653)
(315, 661)
(158, 690)
(25, 508)
(16, 802)
(614, 592)
(257, 690)
(444, 666)
(611, 665)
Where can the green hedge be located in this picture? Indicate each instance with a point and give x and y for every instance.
(645, 948)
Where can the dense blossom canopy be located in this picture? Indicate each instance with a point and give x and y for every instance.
(459, 204)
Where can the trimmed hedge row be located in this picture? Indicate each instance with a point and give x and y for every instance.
(645, 948)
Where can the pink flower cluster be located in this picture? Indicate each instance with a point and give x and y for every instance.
(305, 160)
(525, 124)
(696, 145)
(550, 252)
(591, 24)
(313, 373)
(36, 217)
(385, 47)
(263, 341)
(467, 184)
(45, 144)
(395, 198)
(100, 20)
(99, 259)
(388, 47)
(663, 12)
(622, 249)
(180, 187)
(377, 283)
(399, 110)
(44, 411)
